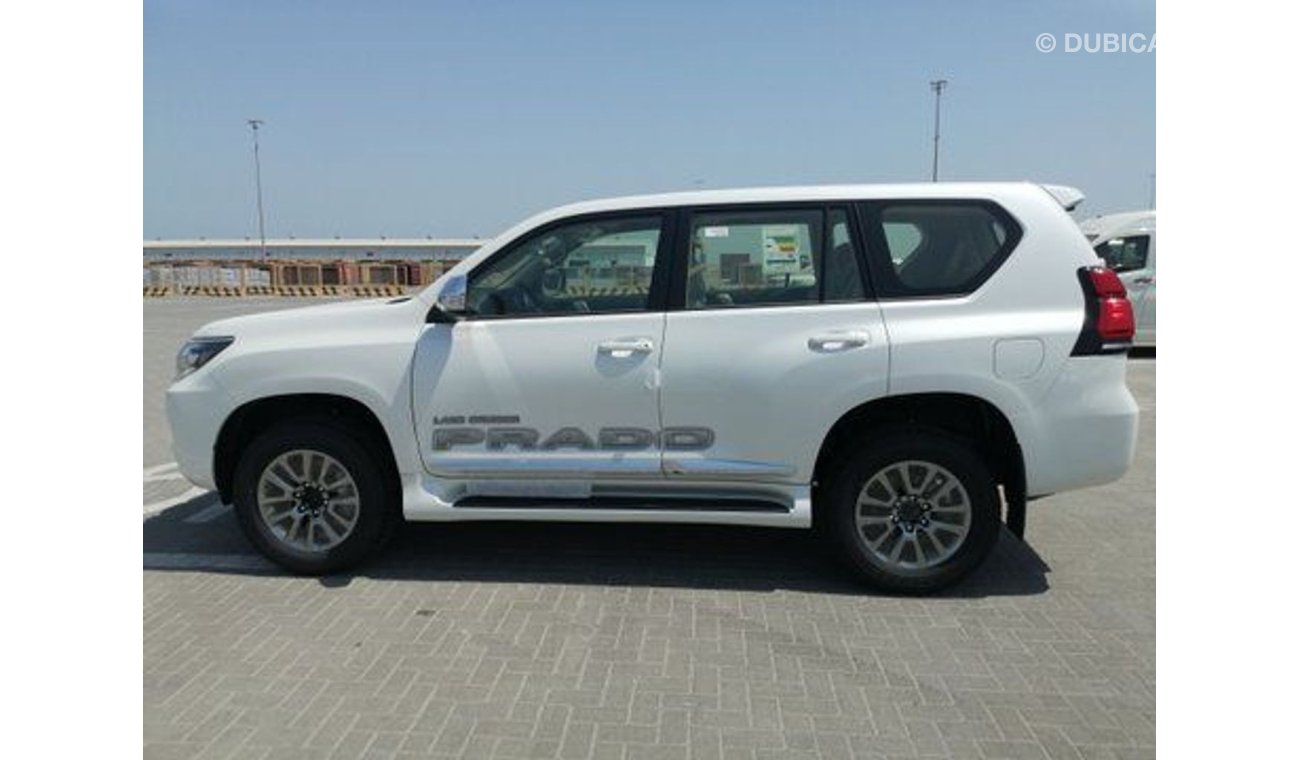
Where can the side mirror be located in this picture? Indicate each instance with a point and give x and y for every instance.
(451, 299)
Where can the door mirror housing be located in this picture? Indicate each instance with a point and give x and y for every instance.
(451, 298)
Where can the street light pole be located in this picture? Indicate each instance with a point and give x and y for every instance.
(257, 170)
(936, 85)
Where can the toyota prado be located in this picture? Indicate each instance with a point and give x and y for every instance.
(904, 366)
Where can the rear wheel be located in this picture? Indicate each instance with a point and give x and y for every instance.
(915, 511)
(312, 497)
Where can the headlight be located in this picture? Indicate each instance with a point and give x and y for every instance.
(197, 352)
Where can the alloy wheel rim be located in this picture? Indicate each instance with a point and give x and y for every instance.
(308, 500)
(913, 514)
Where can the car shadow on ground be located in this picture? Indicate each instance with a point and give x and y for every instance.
(674, 556)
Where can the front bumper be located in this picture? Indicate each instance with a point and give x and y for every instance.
(196, 409)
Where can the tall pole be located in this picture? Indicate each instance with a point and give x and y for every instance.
(937, 85)
(257, 173)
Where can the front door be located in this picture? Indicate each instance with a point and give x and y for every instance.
(553, 373)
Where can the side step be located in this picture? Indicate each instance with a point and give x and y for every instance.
(628, 503)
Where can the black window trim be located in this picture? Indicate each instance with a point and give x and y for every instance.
(660, 276)
(668, 277)
(881, 268)
(856, 244)
(682, 246)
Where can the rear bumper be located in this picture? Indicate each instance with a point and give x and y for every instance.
(1087, 433)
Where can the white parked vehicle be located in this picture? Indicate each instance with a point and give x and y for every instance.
(1127, 242)
(895, 363)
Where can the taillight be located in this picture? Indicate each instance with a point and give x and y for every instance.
(1108, 316)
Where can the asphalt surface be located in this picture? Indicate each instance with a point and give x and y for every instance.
(559, 641)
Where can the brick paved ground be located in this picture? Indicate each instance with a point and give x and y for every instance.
(570, 641)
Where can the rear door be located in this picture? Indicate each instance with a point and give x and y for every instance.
(774, 338)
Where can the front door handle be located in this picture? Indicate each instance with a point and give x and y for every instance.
(622, 349)
(839, 341)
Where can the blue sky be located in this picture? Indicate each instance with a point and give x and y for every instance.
(459, 118)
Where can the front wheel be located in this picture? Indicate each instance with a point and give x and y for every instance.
(914, 511)
(312, 498)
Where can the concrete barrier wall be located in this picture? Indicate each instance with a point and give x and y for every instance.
(363, 279)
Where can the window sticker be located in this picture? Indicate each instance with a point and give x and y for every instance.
(717, 232)
(780, 248)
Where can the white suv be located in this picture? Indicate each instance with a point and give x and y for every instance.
(891, 362)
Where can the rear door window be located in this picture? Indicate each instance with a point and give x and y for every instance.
(753, 258)
(771, 257)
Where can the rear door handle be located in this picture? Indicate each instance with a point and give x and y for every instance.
(839, 341)
(621, 349)
(1144, 280)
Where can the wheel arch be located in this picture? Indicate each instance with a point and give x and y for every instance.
(971, 418)
(254, 417)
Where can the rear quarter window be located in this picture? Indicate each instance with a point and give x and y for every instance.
(937, 248)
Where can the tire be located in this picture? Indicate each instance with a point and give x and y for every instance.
(349, 494)
(945, 471)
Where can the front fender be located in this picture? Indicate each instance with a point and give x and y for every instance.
(376, 375)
